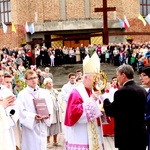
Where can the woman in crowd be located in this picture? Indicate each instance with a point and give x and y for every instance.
(56, 126)
(145, 79)
(21, 68)
(48, 74)
(77, 55)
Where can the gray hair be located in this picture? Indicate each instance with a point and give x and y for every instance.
(47, 68)
(38, 70)
(127, 70)
(47, 80)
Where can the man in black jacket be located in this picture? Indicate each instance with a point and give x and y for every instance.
(128, 110)
(82, 52)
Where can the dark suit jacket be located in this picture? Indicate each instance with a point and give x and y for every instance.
(128, 110)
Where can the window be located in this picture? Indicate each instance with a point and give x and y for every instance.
(5, 11)
(145, 7)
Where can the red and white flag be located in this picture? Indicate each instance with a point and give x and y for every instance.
(26, 28)
(126, 23)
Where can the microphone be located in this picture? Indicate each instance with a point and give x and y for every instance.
(12, 112)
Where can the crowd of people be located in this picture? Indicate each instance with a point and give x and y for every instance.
(89, 113)
(136, 54)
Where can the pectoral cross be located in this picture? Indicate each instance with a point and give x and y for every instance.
(105, 24)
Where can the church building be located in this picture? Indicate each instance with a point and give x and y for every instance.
(54, 23)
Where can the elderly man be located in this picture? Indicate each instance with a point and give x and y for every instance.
(40, 77)
(81, 129)
(128, 109)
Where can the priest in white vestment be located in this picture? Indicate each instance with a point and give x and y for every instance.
(9, 115)
(17, 132)
(34, 127)
(68, 87)
(81, 128)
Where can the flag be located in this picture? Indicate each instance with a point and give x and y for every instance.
(142, 19)
(13, 27)
(121, 23)
(31, 28)
(147, 18)
(5, 28)
(126, 23)
(35, 16)
(26, 28)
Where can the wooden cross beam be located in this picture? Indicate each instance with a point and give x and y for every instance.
(105, 9)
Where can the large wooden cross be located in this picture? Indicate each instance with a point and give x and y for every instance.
(105, 24)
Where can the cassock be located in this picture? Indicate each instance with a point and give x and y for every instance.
(66, 90)
(8, 122)
(34, 132)
(81, 110)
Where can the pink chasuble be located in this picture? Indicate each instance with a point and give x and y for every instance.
(74, 108)
(79, 113)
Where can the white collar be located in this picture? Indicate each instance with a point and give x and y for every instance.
(30, 89)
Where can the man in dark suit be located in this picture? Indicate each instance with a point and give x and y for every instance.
(128, 110)
(82, 52)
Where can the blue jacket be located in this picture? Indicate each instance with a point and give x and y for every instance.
(147, 54)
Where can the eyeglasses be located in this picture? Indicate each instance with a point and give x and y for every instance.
(33, 78)
(143, 75)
